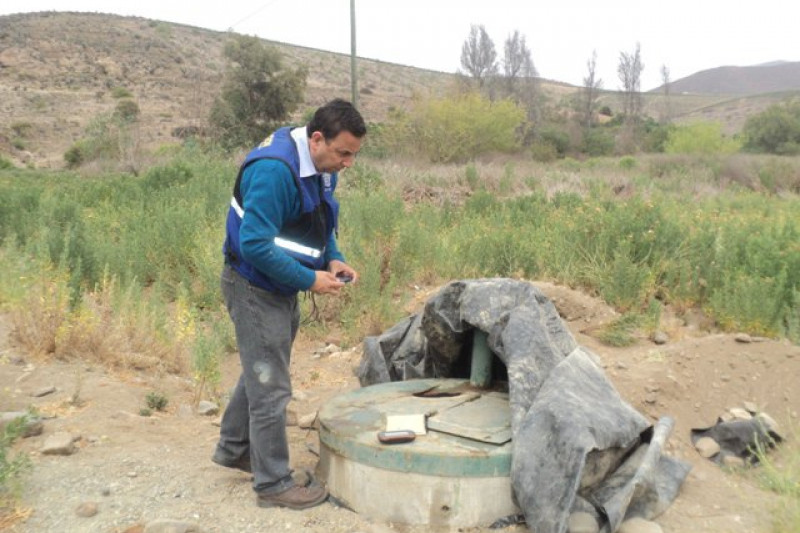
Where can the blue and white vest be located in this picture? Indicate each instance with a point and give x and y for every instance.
(304, 238)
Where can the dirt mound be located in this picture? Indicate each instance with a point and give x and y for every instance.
(137, 469)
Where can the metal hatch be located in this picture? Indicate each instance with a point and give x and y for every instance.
(485, 418)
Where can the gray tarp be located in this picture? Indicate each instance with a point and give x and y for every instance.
(577, 444)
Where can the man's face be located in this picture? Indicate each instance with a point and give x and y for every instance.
(334, 154)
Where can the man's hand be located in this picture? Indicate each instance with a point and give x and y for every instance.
(326, 283)
(329, 282)
(342, 270)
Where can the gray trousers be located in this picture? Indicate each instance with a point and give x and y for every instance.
(255, 420)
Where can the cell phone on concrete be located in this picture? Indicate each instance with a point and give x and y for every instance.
(396, 437)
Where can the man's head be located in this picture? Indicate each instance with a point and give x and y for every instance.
(334, 135)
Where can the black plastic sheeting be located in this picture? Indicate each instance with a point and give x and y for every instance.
(578, 446)
(746, 439)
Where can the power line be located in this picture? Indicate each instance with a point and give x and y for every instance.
(253, 14)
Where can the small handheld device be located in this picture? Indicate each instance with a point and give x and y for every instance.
(396, 437)
(344, 278)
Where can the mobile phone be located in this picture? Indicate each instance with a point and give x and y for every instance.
(344, 278)
(396, 437)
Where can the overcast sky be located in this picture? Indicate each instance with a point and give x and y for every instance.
(686, 36)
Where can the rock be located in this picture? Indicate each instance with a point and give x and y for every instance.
(165, 525)
(87, 509)
(639, 525)
(307, 421)
(581, 522)
(207, 408)
(770, 424)
(43, 391)
(60, 443)
(33, 424)
(733, 461)
(743, 338)
(659, 337)
(751, 407)
(707, 447)
(331, 348)
(740, 414)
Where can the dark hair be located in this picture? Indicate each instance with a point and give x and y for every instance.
(335, 117)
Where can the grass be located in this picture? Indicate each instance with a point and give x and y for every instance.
(12, 470)
(779, 472)
(124, 269)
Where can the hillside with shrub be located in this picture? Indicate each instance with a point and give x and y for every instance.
(65, 74)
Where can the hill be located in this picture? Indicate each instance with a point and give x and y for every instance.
(777, 76)
(61, 70)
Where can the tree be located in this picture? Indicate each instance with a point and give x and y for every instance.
(775, 130)
(257, 94)
(517, 62)
(519, 79)
(478, 55)
(666, 115)
(591, 90)
(630, 74)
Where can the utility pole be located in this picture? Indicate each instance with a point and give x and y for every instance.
(353, 74)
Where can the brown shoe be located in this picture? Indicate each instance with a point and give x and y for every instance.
(295, 497)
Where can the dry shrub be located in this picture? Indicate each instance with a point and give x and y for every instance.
(37, 320)
(122, 336)
(739, 169)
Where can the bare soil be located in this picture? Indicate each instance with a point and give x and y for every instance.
(137, 469)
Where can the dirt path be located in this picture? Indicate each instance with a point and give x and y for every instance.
(137, 469)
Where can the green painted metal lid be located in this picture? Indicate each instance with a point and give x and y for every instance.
(468, 428)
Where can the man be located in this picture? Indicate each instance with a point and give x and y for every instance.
(280, 239)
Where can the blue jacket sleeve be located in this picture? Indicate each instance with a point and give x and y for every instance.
(270, 198)
(332, 251)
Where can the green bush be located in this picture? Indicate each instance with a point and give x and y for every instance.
(126, 110)
(544, 152)
(156, 400)
(250, 105)
(471, 175)
(597, 142)
(164, 177)
(463, 127)
(700, 138)
(557, 138)
(121, 92)
(775, 130)
(5, 163)
(75, 155)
